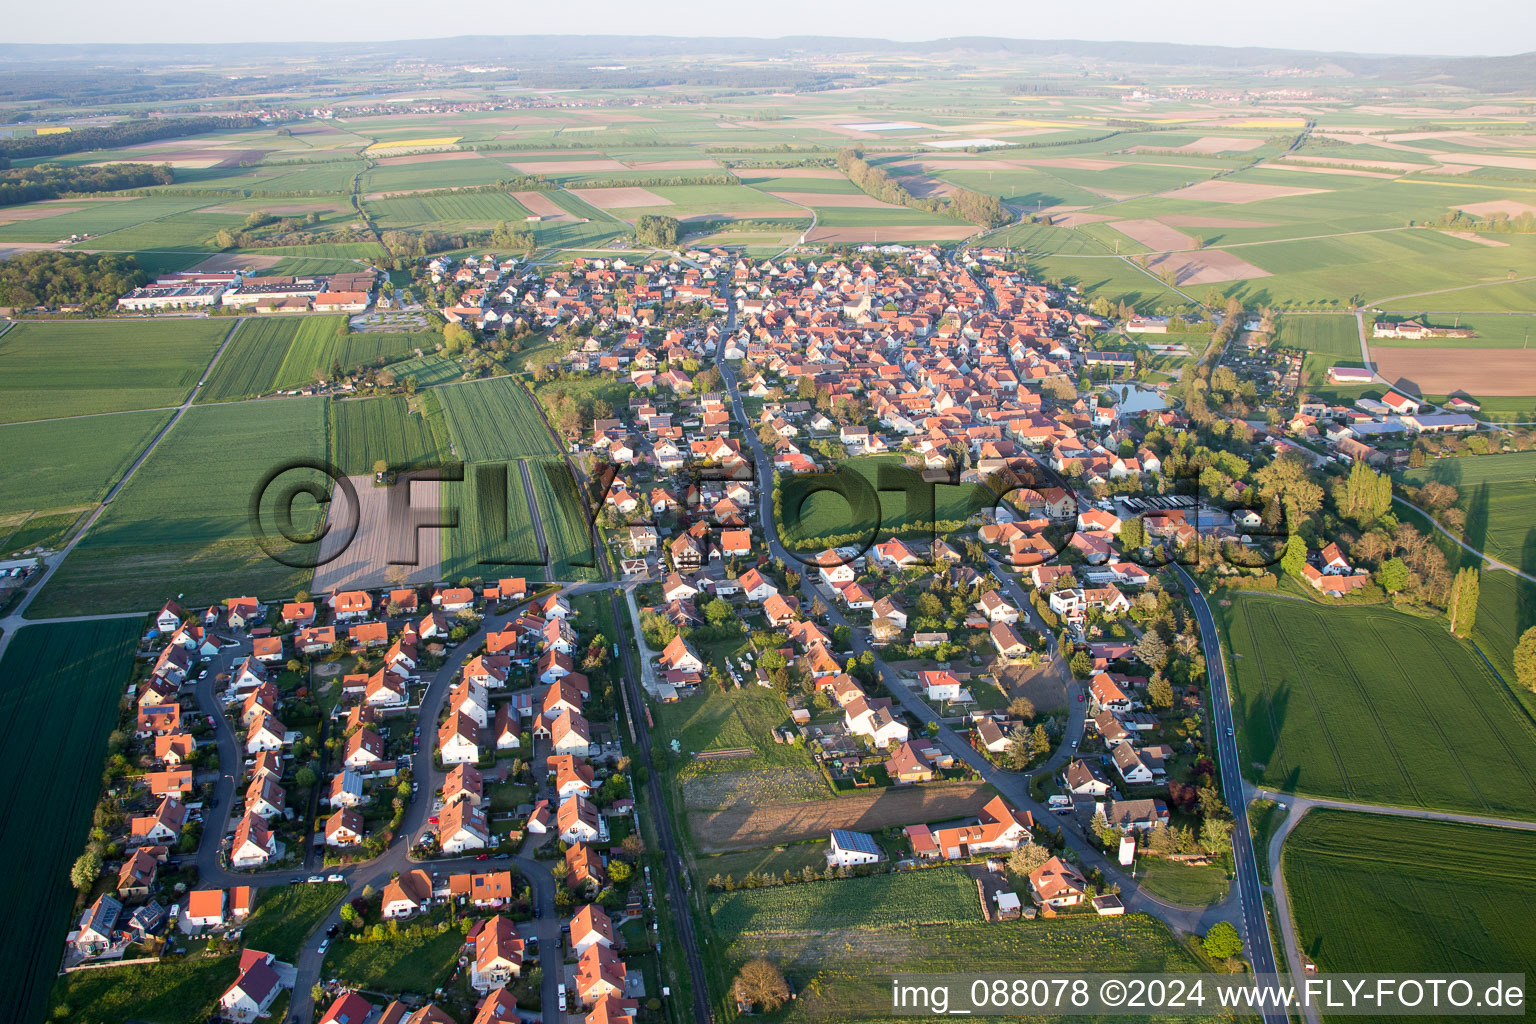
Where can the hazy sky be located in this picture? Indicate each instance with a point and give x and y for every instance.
(1369, 26)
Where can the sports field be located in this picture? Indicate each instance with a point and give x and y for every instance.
(1369, 704)
(69, 463)
(79, 367)
(60, 684)
(1371, 893)
(494, 419)
(1498, 493)
(182, 525)
(404, 432)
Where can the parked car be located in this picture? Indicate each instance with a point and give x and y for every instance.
(325, 944)
(483, 856)
(315, 878)
(335, 878)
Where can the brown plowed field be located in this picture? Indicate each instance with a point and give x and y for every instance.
(365, 561)
(1481, 372)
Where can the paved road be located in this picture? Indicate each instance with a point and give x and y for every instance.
(14, 621)
(1261, 950)
(1013, 785)
(396, 857)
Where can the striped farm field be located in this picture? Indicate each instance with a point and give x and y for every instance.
(80, 367)
(1371, 893)
(59, 684)
(566, 528)
(1370, 704)
(1497, 493)
(400, 431)
(495, 536)
(446, 210)
(250, 363)
(494, 419)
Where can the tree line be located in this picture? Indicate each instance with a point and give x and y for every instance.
(92, 280)
(49, 181)
(124, 133)
(962, 204)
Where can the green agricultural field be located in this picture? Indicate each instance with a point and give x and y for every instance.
(928, 920)
(82, 367)
(1325, 339)
(447, 211)
(60, 685)
(95, 218)
(1497, 492)
(566, 528)
(163, 993)
(436, 174)
(182, 526)
(1371, 893)
(69, 463)
(810, 516)
(429, 370)
(494, 419)
(193, 230)
(495, 534)
(1491, 331)
(286, 915)
(1506, 608)
(23, 531)
(249, 364)
(1115, 279)
(1370, 704)
(392, 428)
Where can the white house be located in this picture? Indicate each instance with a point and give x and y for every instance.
(850, 849)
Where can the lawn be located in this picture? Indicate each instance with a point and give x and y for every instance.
(1497, 492)
(69, 463)
(1193, 886)
(81, 367)
(59, 687)
(165, 993)
(812, 516)
(1371, 893)
(392, 428)
(840, 942)
(494, 419)
(1370, 704)
(730, 720)
(402, 962)
(286, 915)
(182, 525)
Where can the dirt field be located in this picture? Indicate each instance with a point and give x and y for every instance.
(744, 827)
(1239, 192)
(891, 234)
(1153, 234)
(780, 213)
(621, 198)
(1221, 144)
(364, 562)
(834, 199)
(674, 165)
(1481, 372)
(1350, 161)
(568, 166)
(1042, 685)
(226, 262)
(1072, 220)
(1343, 172)
(541, 205)
(428, 158)
(1205, 267)
(17, 213)
(1508, 207)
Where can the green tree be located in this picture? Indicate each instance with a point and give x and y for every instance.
(1525, 659)
(1160, 691)
(1133, 535)
(1152, 650)
(1082, 665)
(1295, 557)
(718, 613)
(86, 867)
(1463, 603)
(456, 337)
(1021, 707)
(1393, 575)
(1222, 942)
(1026, 859)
